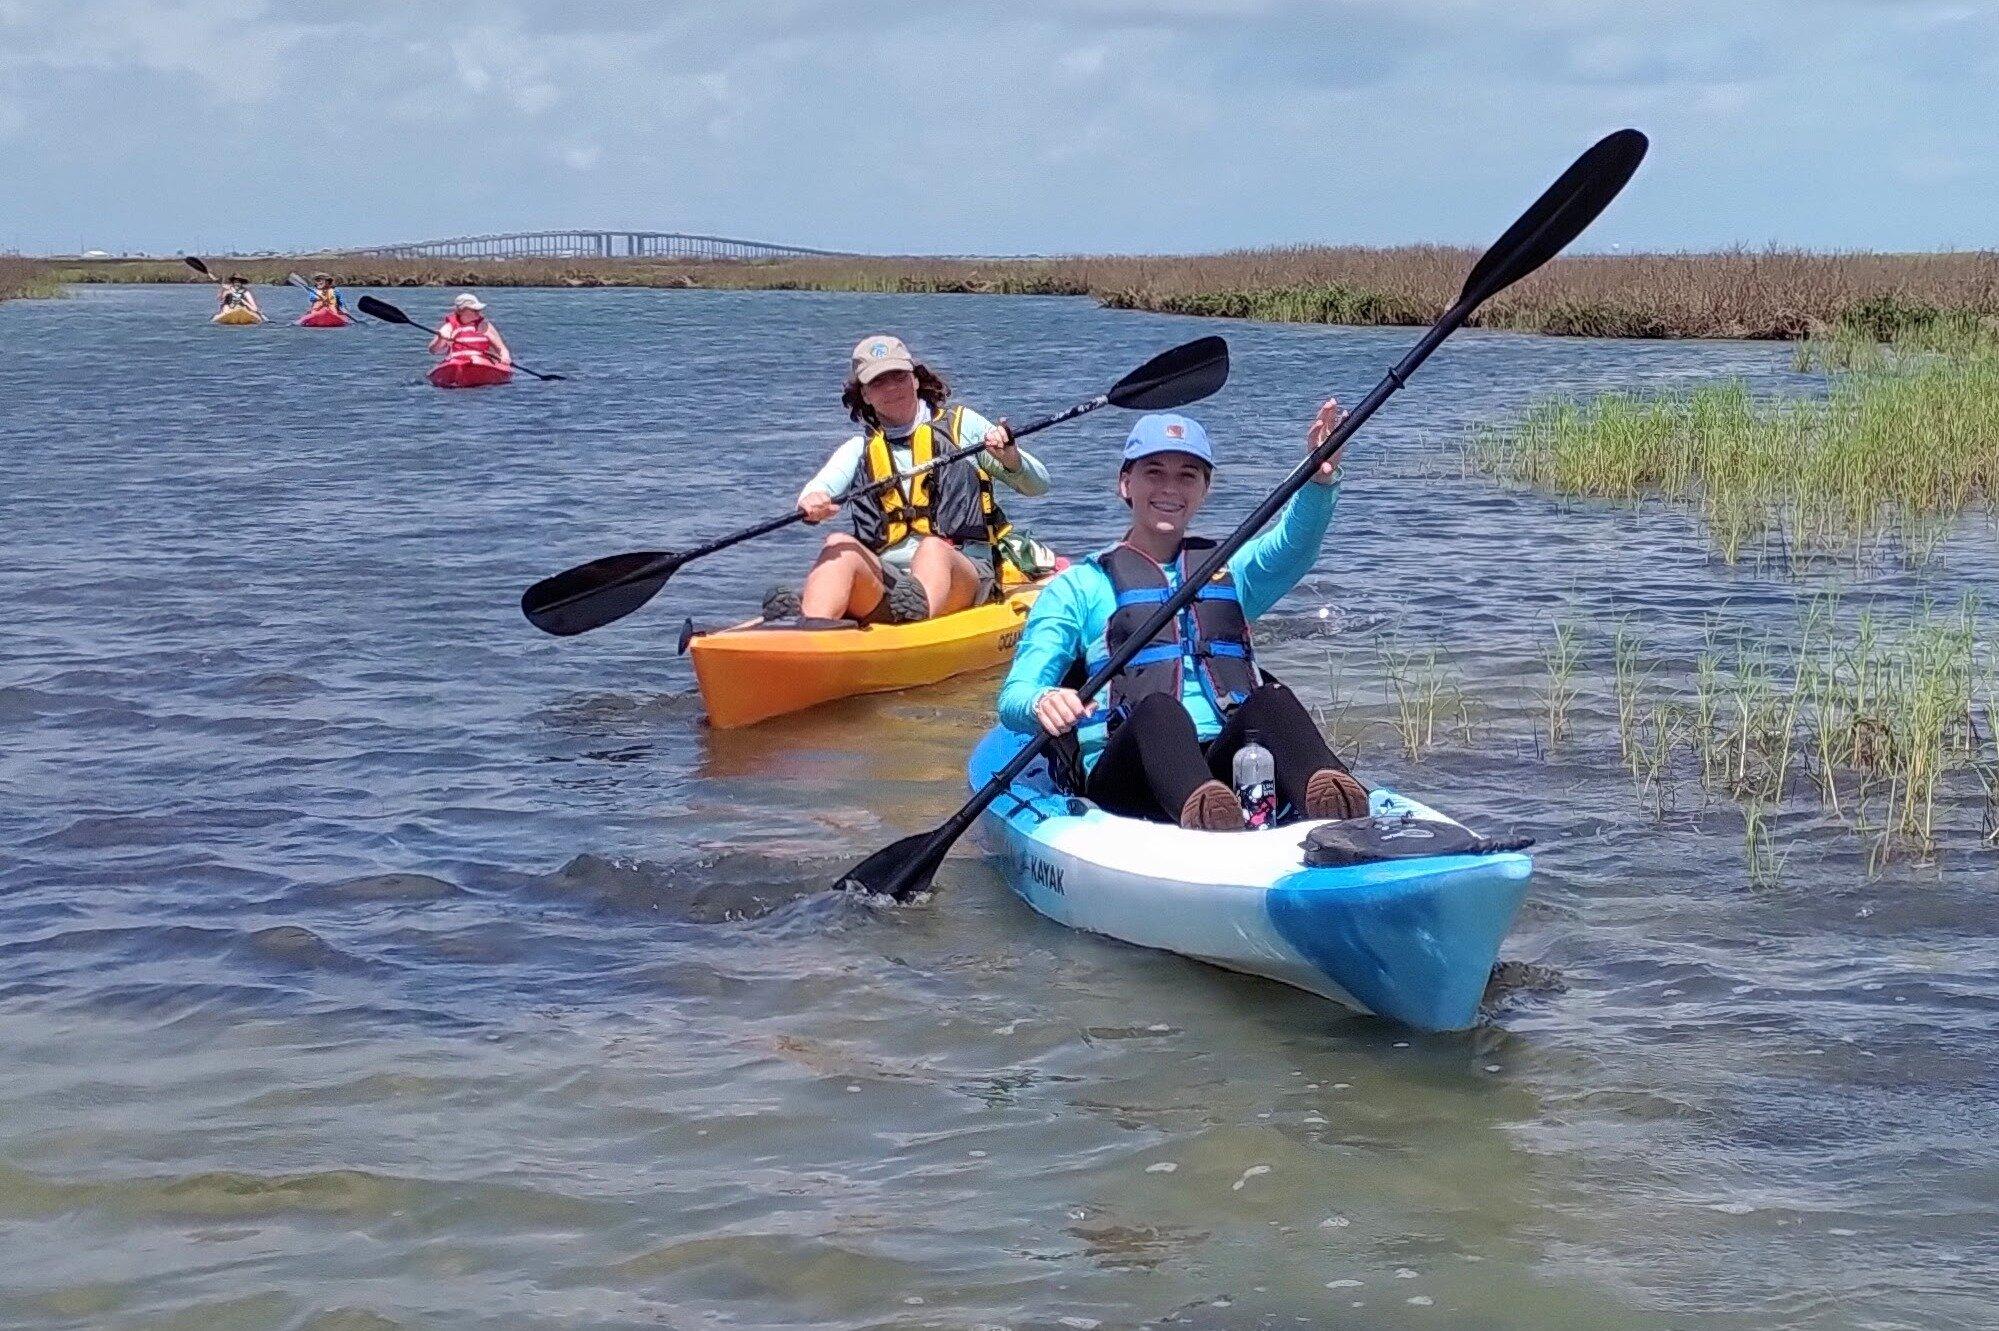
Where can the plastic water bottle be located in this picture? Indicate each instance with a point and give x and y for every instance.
(1256, 783)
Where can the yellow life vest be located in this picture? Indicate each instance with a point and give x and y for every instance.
(955, 501)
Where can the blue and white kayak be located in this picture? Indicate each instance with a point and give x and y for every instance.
(1412, 940)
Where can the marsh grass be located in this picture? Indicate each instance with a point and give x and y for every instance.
(1630, 680)
(1902, 445)
(1839, 723)
(1428, 697)
(1733, 294)
(1563, 656)
(26, 278)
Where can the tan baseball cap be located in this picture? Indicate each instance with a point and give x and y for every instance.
(875, 356)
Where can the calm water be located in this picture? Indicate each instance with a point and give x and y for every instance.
(369, 960)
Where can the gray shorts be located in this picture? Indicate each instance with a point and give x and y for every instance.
(981, 555)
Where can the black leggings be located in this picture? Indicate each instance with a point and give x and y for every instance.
(1154, 760)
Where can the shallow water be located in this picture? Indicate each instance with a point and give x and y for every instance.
(367, 959)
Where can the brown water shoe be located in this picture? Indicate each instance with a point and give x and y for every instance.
(1212, 807)
(1331, 793)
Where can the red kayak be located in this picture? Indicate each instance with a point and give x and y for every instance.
(325, 319)
(464, 369)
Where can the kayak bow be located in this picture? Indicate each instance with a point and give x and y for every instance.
(465, 370)
(1412, 940)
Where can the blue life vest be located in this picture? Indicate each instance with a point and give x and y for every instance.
(1211, 634)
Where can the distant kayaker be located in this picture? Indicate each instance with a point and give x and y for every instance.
(1164, 744)
(236, 295)
(468, 332)
(324, 296)
(924, 546)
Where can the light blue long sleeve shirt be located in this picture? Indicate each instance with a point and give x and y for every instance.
(1070, 616)
(844, 468)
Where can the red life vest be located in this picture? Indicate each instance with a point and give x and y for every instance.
(468, 337)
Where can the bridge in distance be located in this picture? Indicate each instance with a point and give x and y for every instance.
(592, 245)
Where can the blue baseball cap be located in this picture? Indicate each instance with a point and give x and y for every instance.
(1167, 432)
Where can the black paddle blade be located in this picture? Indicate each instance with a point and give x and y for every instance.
(387, 313)
(592, 595)
(1175, 378)
(197, 265)
(902, 870)
(1558, 216)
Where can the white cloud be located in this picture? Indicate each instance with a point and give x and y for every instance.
(1090, 124)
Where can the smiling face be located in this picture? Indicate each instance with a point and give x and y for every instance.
(892, 396)
(1165, 491)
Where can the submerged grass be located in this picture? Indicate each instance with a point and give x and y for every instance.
(1906, 440)
(1842, 724)
(1869, 725)
(1428, 696)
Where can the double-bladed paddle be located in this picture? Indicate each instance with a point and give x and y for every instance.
(387, 313)
(597, 593)
(906, 868)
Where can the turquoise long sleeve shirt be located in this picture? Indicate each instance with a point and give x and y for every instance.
(1069, 617)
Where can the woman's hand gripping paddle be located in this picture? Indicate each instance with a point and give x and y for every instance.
(906, 868)
(592, 595)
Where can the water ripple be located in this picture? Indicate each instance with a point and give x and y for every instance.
(368, 961)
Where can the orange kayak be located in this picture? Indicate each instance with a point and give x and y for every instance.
(751, 673)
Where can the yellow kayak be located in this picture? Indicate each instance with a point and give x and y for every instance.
(750, 673)
(236, 318)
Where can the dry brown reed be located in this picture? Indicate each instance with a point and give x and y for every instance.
(26, 277)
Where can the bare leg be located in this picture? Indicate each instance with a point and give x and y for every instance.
(845, 583)
(949, 579)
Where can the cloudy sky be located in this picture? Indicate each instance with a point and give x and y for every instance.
(990, 127)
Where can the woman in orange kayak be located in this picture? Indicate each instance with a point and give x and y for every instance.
(467, 331)
(924, 546)
(236, 295)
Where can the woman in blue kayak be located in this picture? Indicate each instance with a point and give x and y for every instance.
(924, 546)
(1164, 745)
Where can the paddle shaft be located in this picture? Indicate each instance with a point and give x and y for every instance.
(918, 865)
